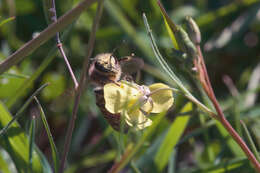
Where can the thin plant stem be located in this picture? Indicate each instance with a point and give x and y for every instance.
(27, 83)
(18, 114)
(173, 77)
(134, 167)
(60, 47)
(250, 140)
(203, 107)
(44, 36)
(76, 85)
(81, 85)
(222, 119)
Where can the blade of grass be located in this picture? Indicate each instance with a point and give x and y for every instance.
(54, 151)
(11, 75)
(4, 165)
(172, 162)
(16, 143)
(7, 20)
(233, 146)
(250, 140)
(226, 166)
(171, 139)
(132, 150)
(31, 143)
(134, 167)
(170, 26)
(92, 161)
(171, 34)
(18, 114)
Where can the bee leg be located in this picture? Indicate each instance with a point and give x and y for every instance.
(128, 78)
(115, 82)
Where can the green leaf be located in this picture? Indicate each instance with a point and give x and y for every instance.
(31, 142)
(10, 82)
(233, 146)
(176, 130)
(250, 140)
(6, 21)
(170, 26)
(171, 34)
(4, 164)
(56, 87)
(16, 143)
(18, 114)
(229, 165)
(54, 151)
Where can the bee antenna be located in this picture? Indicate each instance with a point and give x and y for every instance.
(123, 42)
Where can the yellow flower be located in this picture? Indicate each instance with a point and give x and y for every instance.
(136, 102)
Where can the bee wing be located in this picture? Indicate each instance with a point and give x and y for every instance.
(131, 64)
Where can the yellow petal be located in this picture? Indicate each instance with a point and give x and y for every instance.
(119, 96)
(137, 120)
(162, 99)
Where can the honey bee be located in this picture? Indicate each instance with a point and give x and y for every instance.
(105, 68)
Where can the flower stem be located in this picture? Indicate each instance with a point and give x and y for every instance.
(59, 44)
(191, 98)
(81, 85)
(208, 88)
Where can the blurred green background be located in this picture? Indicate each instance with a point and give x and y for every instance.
(230, 43)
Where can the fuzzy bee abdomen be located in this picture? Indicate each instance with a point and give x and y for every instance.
(113, 119)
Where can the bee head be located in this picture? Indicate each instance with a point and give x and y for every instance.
(106, 62)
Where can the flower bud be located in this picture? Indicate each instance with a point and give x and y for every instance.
(193, 30)
(187, 44)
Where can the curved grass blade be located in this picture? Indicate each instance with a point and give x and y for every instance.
(7, 20)
(250, 140)
(226, 166)
(170, 26)
(12, 75)
(54, 151)
(233, 146)
(18, 114)
(16, 143)
(4, 165)
(31, 143)
(171, 139)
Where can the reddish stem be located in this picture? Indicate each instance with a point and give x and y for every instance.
(59, 45)
(222, 119)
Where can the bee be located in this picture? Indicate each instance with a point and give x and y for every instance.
(106, 68)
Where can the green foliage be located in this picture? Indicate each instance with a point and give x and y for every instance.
(56, 87)
(184, 139)
(172, 137)
(16, 143)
